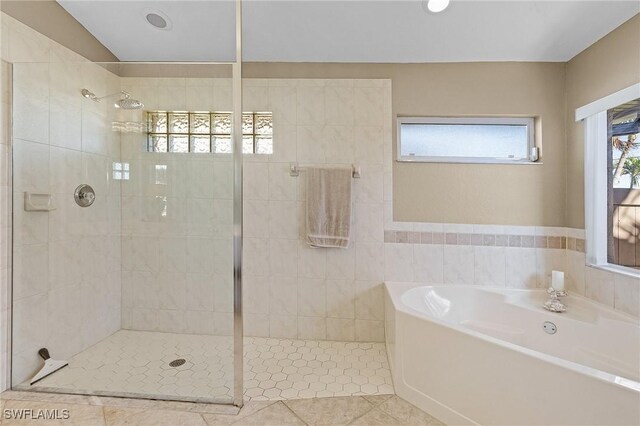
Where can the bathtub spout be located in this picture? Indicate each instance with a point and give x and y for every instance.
(554, 304)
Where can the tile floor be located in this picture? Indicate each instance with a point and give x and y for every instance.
(135, 364)
(355, 410)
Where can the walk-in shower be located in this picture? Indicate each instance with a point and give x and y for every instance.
(127, 274)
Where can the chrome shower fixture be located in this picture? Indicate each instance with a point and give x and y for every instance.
(128, 103)
(90, 95)
(125, 103)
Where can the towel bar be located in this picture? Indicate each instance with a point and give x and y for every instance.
(294, 170)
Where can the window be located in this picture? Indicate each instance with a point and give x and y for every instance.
(208, 132)
(623, 185)
(466, 140)
(612, 181)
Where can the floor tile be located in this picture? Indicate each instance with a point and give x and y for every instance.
(406, 413)
(136, 417)
(249, 408)
(273, 415)
(376, 417)
(330, 411)
(135, 364)
(377, 399)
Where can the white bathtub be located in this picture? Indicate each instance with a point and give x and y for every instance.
(473, 355)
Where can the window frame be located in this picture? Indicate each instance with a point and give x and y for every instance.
(529, 122)
(595, 122)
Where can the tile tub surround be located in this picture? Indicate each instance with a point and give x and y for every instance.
(356, 410)
(135, 364)
(503, 256)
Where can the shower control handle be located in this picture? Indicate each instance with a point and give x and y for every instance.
(84, 195)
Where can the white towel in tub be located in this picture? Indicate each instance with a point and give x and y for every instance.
(328, 206)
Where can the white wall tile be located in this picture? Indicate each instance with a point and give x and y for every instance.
(370, 261)
(549, 260)
(310, 106)
(341, 263)
(311, 261)
(428, 266)
(369, 331)
(283, 297)
(312, 297)
(459, 264)
(398, 262)
(521, 267)
(600, 286)
(341, 296)
(627, 294)
(490, 266)
(341, 329)
(312, 328)
(369, 300)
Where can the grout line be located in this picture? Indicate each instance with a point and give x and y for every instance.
(373, 407)
(294, 413)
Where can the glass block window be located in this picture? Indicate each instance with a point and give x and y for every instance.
(208, 132)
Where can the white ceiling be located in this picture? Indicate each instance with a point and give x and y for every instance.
(352, 30)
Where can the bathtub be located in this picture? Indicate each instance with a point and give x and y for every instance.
(474, 355)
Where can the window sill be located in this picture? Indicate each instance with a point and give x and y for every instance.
(616, 269)
(464, 161)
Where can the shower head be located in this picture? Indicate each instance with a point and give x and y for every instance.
(128, 103)
(125, 103)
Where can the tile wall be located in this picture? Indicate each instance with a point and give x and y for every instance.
(177, 267)
(177, 219)
(66, 263)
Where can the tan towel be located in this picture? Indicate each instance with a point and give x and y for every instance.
(328, 206)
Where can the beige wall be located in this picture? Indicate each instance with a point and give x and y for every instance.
(609, 65)
(50, 19)
(457, 193)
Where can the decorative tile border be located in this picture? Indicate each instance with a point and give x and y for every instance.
(489, 240)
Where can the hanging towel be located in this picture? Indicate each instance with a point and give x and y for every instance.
(328, 206)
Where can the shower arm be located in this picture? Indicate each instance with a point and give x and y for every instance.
(90, 95)
(126, 94)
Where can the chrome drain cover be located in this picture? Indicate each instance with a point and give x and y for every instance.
(549, 327)
(177, 362)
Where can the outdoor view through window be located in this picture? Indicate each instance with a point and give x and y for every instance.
(624, 185)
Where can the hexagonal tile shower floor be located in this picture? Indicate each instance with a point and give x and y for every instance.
(137, 364)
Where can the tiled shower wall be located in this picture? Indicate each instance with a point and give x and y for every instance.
(177, 229)
(177, 220)
(66, 263)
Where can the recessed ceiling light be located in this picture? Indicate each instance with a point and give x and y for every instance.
(157, 19)
(437, 6)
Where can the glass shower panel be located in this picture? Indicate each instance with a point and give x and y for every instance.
(134, 291)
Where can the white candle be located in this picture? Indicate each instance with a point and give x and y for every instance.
(557, 280)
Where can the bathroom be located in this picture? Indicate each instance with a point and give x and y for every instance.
(327, 259)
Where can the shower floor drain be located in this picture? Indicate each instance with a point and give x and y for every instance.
(177, 362)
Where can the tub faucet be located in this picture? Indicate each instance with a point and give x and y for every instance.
(554, 304)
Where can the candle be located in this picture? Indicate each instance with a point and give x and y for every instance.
(557, 280)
